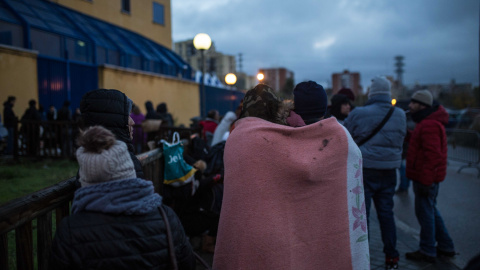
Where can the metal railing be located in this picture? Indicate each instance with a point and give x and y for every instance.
(21, 215)
(57, 138)
(464, 146)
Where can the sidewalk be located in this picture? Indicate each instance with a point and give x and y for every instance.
(405, 243)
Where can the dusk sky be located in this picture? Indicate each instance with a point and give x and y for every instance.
(438, 38)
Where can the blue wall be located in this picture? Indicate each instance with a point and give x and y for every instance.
(221, 99)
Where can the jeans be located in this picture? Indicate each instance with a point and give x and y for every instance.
(433, 228)
(379, 185)
(404, 181)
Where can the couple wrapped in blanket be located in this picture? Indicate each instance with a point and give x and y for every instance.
(293, 195)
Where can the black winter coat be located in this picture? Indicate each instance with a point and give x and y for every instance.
(110, 108)
(89, 240)
(9, 118)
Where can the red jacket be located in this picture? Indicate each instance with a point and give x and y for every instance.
(427, 151)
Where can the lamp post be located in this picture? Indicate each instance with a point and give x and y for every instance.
(230, 79)
(202, 42)
(260, 77)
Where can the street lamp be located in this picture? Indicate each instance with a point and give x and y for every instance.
(202, 42)
(230, 79)
(260, 77)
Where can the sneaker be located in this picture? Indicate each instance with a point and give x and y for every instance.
(391, 263)
(449, 254)
(419, 256)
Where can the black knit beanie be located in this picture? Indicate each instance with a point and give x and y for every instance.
(310, 100)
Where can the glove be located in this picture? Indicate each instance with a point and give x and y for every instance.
(423, 190)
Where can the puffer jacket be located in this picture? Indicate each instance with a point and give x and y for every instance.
(384, 150)
(140, 242)
(427, 150)
(110, 108)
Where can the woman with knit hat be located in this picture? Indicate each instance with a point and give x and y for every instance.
(117, 220)
(293, 195)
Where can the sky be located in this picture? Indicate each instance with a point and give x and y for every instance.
(439, 39)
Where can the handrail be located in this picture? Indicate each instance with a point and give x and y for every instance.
(19, 214)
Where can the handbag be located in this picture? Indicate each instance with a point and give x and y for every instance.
(177, 172)
(171, 247)
(151, 125)
(377, 129)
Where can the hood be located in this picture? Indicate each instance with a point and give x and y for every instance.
(149, 106)
(109, 108)
(440, 114)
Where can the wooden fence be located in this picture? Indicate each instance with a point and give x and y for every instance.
(20, 215)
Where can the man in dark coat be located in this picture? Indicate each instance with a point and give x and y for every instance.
(10, 122)
(427, 167)
(111, 109)
(31, 128)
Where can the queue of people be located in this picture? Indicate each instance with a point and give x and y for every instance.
(278, 184)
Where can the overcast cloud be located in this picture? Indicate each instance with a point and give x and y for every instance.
(438, 38)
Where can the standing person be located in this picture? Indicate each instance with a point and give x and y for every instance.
(111, 109)
(427, 167)
(293, 196)
(139, 138)
(117, 221)
(340, 108)
(52, 113)
(65, 114)
(382, 155)
(65, 136)
(10, 122)
(167, 119)
(31, 128)
(209, 125)
(151, 113)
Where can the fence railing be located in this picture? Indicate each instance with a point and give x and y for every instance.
(464, 146)
(34, 214)
(57, 138)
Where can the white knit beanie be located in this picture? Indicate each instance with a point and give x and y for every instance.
(380, 86)
(110, 164)
(424, 97)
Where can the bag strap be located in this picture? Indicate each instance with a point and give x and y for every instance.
(377, 129)
(176, 138)
(171, 247)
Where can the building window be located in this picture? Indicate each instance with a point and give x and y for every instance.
(158, 13)
(126, 6)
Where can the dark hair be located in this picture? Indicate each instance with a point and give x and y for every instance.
(11, 98)
(96, 139)
(32, 102)
(212, 114)
(135, 109)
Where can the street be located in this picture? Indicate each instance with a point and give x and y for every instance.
(458, 202)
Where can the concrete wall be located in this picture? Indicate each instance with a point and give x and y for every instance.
(18, 77)
(182, 97)
(139, 20)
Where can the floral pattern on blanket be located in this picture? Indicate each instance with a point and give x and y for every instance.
(359, 212)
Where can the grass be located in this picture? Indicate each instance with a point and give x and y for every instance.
(27, 176)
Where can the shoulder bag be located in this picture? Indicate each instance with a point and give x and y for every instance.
(377, 129)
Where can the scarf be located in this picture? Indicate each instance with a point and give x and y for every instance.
(293, 198)
(121, 197)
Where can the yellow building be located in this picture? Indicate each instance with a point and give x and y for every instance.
(58, 50)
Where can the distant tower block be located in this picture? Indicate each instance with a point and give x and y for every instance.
(240, 60)
(399, 69)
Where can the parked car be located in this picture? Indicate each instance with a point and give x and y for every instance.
(469, 119)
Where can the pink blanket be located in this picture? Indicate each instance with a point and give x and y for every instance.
(293, 199)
